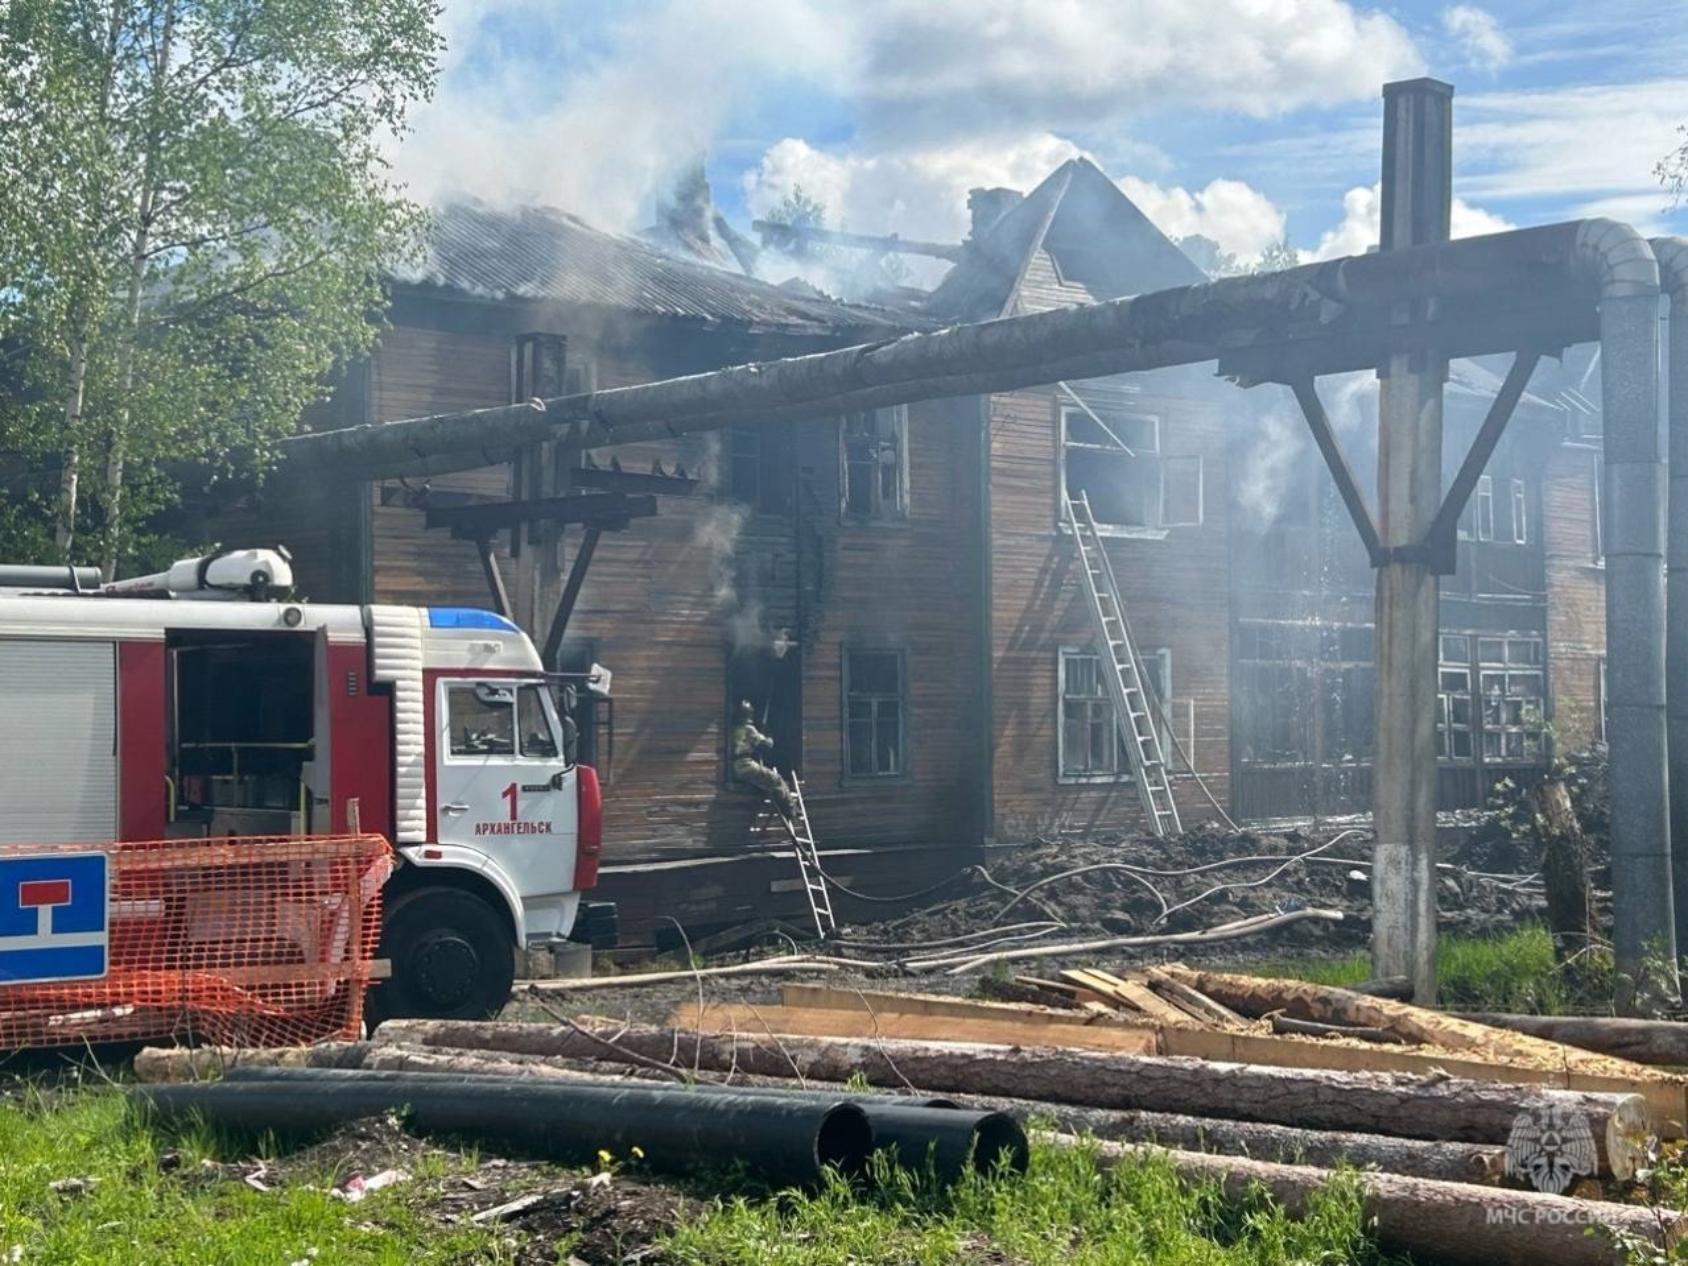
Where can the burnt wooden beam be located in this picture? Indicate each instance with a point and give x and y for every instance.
(610, 510)
(1318, 421)
(494, 577)
(1442, 537)
(606, 480)
(571, 595)
(788, 234)
(1184, 325)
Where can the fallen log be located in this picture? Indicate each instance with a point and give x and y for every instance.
(1659, 1042)
(1258, 996)
(1437, 1221)
(1373, 1103)
(1480, 1163)
(157, 1064)
(1400, 988)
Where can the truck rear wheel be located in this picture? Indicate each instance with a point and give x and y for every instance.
(451, 954)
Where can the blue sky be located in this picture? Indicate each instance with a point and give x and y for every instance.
(1243, 119)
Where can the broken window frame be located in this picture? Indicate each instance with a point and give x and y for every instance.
(1136, 444)
(868, 707)
(1483, 508)
(1520, 513)
(1455, 715)
(1512, 698)
(864, 454)
(1293, 686)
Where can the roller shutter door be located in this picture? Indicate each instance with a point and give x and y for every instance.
(58, 741)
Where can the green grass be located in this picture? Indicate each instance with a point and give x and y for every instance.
(138, 1213)
(1067, 1212)
(1515, 971)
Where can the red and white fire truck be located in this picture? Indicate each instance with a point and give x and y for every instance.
(149, 708)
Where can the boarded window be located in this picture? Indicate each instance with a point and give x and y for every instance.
(1115, 461)
(875, 708)
(874, 463)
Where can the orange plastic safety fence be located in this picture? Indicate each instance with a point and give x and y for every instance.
(262, 941)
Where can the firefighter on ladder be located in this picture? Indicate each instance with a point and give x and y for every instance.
(749, 743)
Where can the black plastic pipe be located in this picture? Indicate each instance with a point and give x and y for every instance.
(786, 1140)
(922, 1129)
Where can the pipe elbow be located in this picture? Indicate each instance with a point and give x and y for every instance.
(1616, 258)
(1672, 254)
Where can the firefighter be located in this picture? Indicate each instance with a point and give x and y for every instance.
(748, 766)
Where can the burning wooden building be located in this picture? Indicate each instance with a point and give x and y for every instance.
(899, 594)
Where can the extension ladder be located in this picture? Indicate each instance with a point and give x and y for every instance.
(1124, 672)
(809, 863)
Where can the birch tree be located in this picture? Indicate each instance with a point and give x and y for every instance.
(194, 211)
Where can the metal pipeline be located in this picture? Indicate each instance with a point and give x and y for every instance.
(792, 1140)
(1620, 262)
(1672, 255)
(923, 1129)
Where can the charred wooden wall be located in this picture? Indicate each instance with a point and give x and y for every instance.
(1176, 591)
(1576, 595)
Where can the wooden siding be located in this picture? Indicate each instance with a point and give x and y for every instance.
(1176, 592)
(1576, 596)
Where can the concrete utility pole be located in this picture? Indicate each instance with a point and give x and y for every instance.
(1417, 203)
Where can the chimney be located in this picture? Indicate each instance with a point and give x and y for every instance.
(987, 206)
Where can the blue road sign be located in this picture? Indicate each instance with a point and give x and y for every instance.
(54, 917)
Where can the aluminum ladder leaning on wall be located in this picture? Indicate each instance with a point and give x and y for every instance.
(1123, 671)
(809, 863)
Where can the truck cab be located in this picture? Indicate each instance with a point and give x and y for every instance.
(190, 704)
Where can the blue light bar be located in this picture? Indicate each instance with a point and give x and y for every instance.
(468, 618)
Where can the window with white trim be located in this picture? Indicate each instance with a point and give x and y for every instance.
(1453, 698)
(1511, 683)
(1485, 508)
(1520, 514)
(1089, 742)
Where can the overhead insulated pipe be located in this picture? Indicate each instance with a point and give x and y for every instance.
(791, 1140)
(1672, 255)
(1621, 263)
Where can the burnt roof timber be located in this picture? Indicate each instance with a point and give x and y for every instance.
(1537, 269)
(889, 243)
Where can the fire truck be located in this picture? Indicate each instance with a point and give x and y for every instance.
(203, 701)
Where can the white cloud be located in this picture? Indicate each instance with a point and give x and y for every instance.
(1236, 215)
(919, 193)
(1362, 220)
(627, 99)
(1479, 36)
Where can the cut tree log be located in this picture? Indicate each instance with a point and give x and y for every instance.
(1438, 1221)
(881, 1001)
(181, 1063)
(1371, 1103)
(793, 965)
(1657, 1042)
(1400, 988)
(1480, 1163)
(1257, 996)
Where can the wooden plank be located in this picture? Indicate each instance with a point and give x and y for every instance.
(882, 1002)
(828, 1022)
(1130, 993)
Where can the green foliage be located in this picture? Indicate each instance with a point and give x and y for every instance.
(194, 209)
(1069, 1211)
(1511, 972)
(138, 1212)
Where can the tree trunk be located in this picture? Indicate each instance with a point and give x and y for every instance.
(1662, 1042)
(1255, 996)
(1480, 1163)
(181, 1063)
(64, 534)
(1451, 1109)
(1564, 867)
(1443, 1221)
(140, 244)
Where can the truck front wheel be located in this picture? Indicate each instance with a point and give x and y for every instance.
(451, 955)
